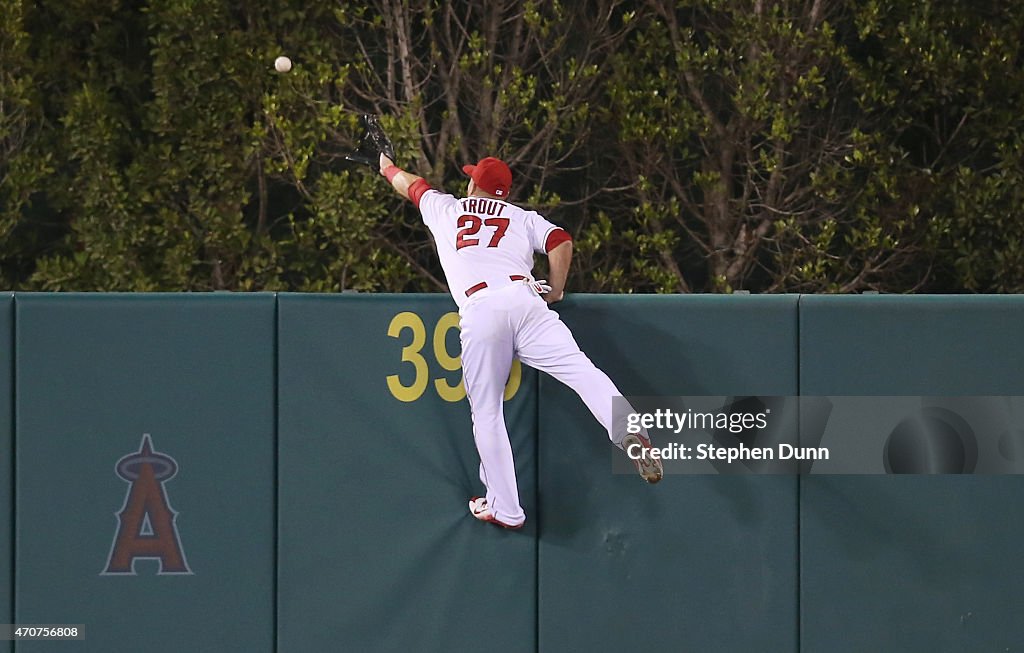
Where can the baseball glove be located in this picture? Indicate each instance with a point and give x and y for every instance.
(373, 143)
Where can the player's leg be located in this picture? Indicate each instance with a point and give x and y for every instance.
(544, 343)
(487, 348)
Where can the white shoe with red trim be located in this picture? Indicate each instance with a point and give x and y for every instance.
(478, 508)
(649, 468)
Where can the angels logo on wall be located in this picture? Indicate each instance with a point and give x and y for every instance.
(146, 523)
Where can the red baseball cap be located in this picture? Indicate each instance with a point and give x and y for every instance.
(491, 175)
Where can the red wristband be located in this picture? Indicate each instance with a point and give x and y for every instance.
(390, 172)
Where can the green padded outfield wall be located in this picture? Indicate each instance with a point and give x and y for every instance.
(6, 462)
(925, 564)
(377, 550)
(695, 563)
(99, 504)
(342, 416)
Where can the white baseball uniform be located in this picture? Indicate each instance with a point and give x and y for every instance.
(486, 248)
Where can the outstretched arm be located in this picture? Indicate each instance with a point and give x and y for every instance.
(400, 179)
(559, 259)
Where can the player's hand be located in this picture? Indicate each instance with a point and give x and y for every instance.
(554, 296)
(385, 162)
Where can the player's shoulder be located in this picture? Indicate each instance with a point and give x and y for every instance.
(532, 215)
(437, 198)
(438, 194)
(522, 211)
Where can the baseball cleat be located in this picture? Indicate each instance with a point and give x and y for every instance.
(478, 508)
(649, 468)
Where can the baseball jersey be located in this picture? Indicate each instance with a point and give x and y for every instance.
(483, 242)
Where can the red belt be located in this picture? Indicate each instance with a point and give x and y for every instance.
(483, 284)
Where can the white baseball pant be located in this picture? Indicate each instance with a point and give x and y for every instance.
(514, 321)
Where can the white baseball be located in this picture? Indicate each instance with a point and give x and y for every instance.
(282, 64)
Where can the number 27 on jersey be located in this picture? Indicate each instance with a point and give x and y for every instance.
(469, 227)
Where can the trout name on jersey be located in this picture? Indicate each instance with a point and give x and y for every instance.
(481, 206)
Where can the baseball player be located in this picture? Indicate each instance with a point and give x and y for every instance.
(486, 247)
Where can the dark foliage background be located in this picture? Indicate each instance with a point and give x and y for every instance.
(701, 145)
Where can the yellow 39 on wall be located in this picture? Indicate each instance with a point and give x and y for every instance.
(413, 355)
